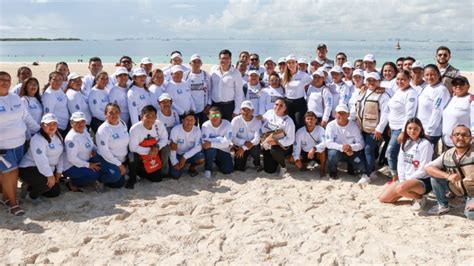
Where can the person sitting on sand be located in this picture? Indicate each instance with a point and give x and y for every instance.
(216, 143)
(185, 146)
(415, 153)
(246, 137)
(453, 170)
(310, 144)
(149, 145)
(344, 142)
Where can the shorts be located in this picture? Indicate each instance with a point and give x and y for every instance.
(426, 183)
(12, 158)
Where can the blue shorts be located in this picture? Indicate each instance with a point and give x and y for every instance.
(13, 157)
(426, 183)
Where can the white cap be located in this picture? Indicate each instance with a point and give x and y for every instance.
(146, 61)
(358, 72)
(282, 60)
(139, 72)
(347, 65)
(174, 55)
(247, 104)
(195, 57)
(291, 57)
(268, 59)
(164, 96)
(322, 68)
(369, 57)
(319, 72)
(302, 61)
(342, 108)
(120, 71)
(78, 116)
(336, 69)
(73, 75)
(253, 71)
(176, 68)
(48, 118)
(418, 64)
(373, 75)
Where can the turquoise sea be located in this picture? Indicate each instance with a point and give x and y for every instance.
(159, 50)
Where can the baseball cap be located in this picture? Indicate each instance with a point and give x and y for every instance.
(120, 71)
(268, 59)
(322, 45)
(73, 75)
(302, 61)
(174, 55)
(369, 57)
(373, 75)
(347, 65)
(291, 57)
(146, 61)
(176, 68)
(282, 60)
(319, 72)
(460, 80)
(247, 104)
(342, 108)
(48, 118)
(358, 72)
(164, 96)
(336, 69)
(77, 116)
(195, 57)
(417, 64)
(139, 72)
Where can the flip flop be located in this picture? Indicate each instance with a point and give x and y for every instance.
(16, 210)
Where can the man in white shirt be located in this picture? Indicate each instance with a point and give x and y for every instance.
(185, 146)
(226, 87)
(344, 142)
(310, 144)
(448, 72)
(216, 143)
(198, 81)
(95, 66)
(246, 137)
(255, 64)
(321, 55)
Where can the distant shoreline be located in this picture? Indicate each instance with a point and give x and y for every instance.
(37, 39)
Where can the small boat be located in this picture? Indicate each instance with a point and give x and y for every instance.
(398, 46)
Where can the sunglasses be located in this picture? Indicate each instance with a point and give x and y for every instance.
(462, 135)
(443, 55)
(126, 62)
(215, 115)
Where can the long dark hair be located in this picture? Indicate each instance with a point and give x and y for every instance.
(392, 64)
(435, 68)
(23, 89)
(405, 134)
(48, 138)
(51, 75)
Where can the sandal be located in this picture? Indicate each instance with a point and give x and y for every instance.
(16, 210)
(73, 188)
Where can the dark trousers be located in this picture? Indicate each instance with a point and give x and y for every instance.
(240, 163)
(222, 159)
(227, 109)
(37, 183)
(274, 157)
(136, 167)
(95, 124)
(296, 109)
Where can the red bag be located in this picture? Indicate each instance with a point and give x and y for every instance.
(150, 163)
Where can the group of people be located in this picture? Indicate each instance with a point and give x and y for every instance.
(109, 130)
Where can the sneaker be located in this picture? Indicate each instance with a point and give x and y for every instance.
(364, 179)
(418, 204)
(438, 209)
(207, 174)
(282, 171)
(373, 176)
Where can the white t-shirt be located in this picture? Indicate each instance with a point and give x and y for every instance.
(79, 147)
(47, 157)
(118, 95)
(168, 121)
(77, 102)
(181, 95)
(55, 102)
(243, 131)
(272, 122)
(320, 101)
(137, 98)
(431, 103)
(337, 136)
(199, 84)
(401, 107)
(138, 133)
(295, 89)
(459, 111)
(412, 161)
(220, 137)
(253, 95)
(305, 141)
(35, 108)
(189, 143)
(268, 98)
(98, 99)
(112, 142)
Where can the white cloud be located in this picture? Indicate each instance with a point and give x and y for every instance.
(182, 6)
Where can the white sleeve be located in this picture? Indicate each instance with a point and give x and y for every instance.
(256, 136)
(322, 145)
(29, 121)
(197, 146)
(411, 104)
(331, 136)
(103, 147)
(289, 138)
(359, 141)
(441, 98)
(132, 109)
(71, 154)
(262, 103)
(48, 103)
(38, 148)
(426, 154)
(223, 142)
(328, 101)
(235, 130)
(239, 93)
(162, 136)
(60, 166)
(383, 115)
(135, 140)
(297, 147)
(346, 95)
(173, 157)
(401, 165)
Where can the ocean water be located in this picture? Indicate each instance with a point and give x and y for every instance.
(159, 50)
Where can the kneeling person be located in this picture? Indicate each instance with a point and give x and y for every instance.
(310, 144)
(185, 146)
(246, 137)
(149, 144)
(216, 138)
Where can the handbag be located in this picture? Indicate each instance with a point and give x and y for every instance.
(151, 163)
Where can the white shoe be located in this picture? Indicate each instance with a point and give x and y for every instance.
(282, 171)
(438, 210)
(207, 174)
(373, 176)
(418, 204)
(364, 179)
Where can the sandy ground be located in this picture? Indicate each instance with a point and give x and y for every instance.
(242, 219)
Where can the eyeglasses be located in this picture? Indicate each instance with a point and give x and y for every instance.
(253, 59)
(462, 135)
(215, 115)
(443, 55)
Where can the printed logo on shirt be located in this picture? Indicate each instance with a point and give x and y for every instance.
(303, 143)
(46, 110)
(33, 106)
(115, 136)
(203, 136)
(180, 141)
(134, 104)
(77, 107)
(241, 130)
(51, 146)
(88, 145)
(102, 143)
(2, 108)
(438, 103)
(179, 91)
(142, 97)
(94, 101)
(70, 144)
(105, 100)
(60, 99)
(39, 151)
(411, 100)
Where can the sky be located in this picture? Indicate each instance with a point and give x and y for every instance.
(245, 19)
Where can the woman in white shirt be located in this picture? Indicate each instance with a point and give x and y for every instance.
(42, 165)
(460, 109)
(270, 93)
(389, 73)
(278, 137)
(157, 86)
(98, 99)
(112, 140)
(320, 99)
(118, 93)
(30, 96)
(295, 83)
(76, 101)
(415, 153)
(55, 101)
(138, 95)
(81, 163)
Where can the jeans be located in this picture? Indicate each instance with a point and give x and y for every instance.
(240, 163)
(110, 174)
(370, 151)
(83, 176)
(440, 188)
(392, 151)
(223, 160)
(335, 156)
(178, 173)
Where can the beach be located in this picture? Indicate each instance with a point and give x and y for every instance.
(245, 218)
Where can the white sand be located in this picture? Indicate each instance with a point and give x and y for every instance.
(245, 218)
